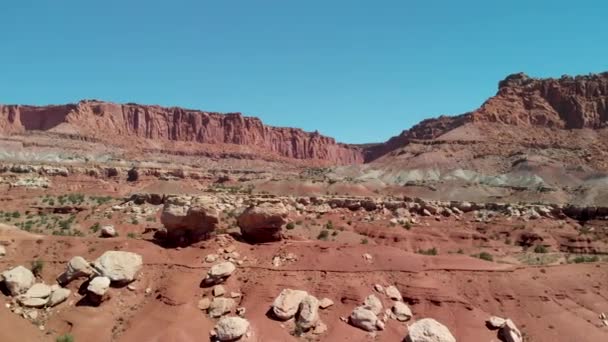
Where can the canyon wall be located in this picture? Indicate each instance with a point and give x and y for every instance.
(109, 121)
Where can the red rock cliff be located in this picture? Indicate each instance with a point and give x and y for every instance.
(109, 121)
(567, 102)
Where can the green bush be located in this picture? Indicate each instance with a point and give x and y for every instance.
(96, 227)
(582, 258)
(540, 249)
(364, 241)
(485, 256)
(290, 225)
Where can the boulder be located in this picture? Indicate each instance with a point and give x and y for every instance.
(309, 313)
(108, 231)
(204, 304)
(429, 330)
(38, 290)
(219, 272)
(509, 332)
(325, 303)
(18, 280)
(97, 289)
(401, 311)
(218, 291)
(363, 318)
(77, 267)
(393, 293)
(373, 304)
(286, 305)
(189, 220)
(263, 223)
(220, 306)
(58, 296)
(33, 302)
(120, 267)
(231, 328)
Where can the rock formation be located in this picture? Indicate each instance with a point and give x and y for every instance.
(99, 120)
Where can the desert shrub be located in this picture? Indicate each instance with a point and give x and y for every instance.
(540, 249)
(485, 256)
(37, 266)
(95, 227)
(323, 235)
(65, 338)
(430, 251)
(582, 259)
(329, 225)
(290, 225)
(364, 241)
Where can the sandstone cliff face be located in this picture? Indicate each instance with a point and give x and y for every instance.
(565, 103)
(112, 121)
(568, 102)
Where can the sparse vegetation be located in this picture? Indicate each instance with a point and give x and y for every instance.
(484, 256)
(585, 258)
(364, 241)
(323, 235)
(132, 235)
(95, 227)
(65, 338)
(540, 249)
(290, 225)
(37, 266)
(430, 251)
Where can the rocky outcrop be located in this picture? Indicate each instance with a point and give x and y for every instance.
(189, 219)
(120, 267)
(567, 102)
(99, 120)
(18, 280)
(263, 223)
(429, 330)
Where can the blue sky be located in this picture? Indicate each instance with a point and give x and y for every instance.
(360, 71)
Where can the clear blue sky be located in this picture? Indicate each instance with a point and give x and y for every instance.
(360, 71)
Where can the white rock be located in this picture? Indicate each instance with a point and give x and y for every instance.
(373, 303)
(510, 333)
(220, 306)
(393, 293)
(367, 257)
(119, 266)
(108, 231)
(286, 305)
(429, 330)
(219, 272)
(204, 303)
(99, 285)
(496, 322)
(363, 318)
(379, 288)
(218, 291)
(77, 267)
(325, 303)
(58, 296)
(211, 258)
(231, 328)
(33, 302)
(38, 290)
(309, 312)
(401, 311)
(18, 280)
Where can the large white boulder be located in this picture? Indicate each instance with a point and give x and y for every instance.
(263, 223)
(309, 312)
(219, 272)
(220, 306)
(287, 303)
(18, 280)
(77, 267)
(363, 318)
(118, 266)
(231, 328)
(429, 330)
(373, 304)
(401, 311)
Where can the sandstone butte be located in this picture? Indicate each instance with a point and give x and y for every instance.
(564, 103)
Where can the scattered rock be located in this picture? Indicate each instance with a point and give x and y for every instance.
(108, 231)
(97, 289)
(367, 257)
(218, 291)
(33, 302)
(496, 322)
(373, 304)
(263, 223)
(38, 290)
(401, 311)
(363, 318)
(58, 296)
(240, 311)
(393, 293)
(325, 303)
(320, 328)
(308, 313)
(77, 267)
(429, 330)
(231, 328)
(18, 280)
(286, 305)
(204, 303)
(211, 258)
(379, 288)
(509, 332)
(220, 306)
(219, 272)
(120, 267)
